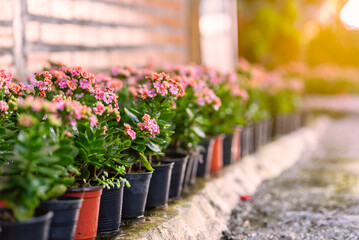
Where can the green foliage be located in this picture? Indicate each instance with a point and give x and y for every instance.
(267, 33)
(99, 154)
(37, 169)
(187, 123)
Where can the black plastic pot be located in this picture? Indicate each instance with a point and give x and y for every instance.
(280, 125)
(244, 142)
(269, 130)
(258, 135)
(193, 173)
(36, 228)
(178, 172)
(250, 136)
(188, 172)
(110, 209)
(135, 197)
(204, 165)
(66, 213)
(159, 185)
(227, 150)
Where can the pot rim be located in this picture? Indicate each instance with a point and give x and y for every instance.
(46, 215)
(141, 173)
(85, 189)
(63, 199)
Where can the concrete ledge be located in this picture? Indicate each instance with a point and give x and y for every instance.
(204, 215)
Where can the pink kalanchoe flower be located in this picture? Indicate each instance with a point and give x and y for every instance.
(25, 120)
(84, 84)
(62, 84)
(99, 109)
(104, 130)
(150, 125)
(93, 120)
(129, 131)
(4, 107)
(68, 134)
(72, 85)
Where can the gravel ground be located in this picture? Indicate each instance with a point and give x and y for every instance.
(315, 199)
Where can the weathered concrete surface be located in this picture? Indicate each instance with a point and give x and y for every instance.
(317, 198)
(333, 103)
(205, 214)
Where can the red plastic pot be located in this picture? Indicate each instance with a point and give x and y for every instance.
(236, 144)
(217, 154)
(88, 219)
(2, 204)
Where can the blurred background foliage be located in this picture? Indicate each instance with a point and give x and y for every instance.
(275, 32)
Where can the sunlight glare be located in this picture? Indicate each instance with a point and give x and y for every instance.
(349, 14)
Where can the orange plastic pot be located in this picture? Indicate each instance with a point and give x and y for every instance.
(88, 218)
(217, 154)
(236, 144)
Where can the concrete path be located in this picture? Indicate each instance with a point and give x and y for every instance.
(204, 214)
(318, 198)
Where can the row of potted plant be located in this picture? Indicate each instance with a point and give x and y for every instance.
(70, 140)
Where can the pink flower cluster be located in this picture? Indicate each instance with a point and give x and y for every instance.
(9, 87)
(4, 107)
(150, 125)
(162, 84)
(129, 132)
(59, 110)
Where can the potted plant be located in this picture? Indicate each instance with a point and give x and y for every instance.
(37, 169)
(99, 151)
(155, 108)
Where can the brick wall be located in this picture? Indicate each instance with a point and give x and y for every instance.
(96, 34)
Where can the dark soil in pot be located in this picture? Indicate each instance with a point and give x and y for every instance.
(204, 165)
(160, 185)
(227, 150)
(110, 209)
(36, 228)
(178, 172)
(135, 197)
(66, 212)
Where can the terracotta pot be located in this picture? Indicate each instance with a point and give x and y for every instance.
(88, 219)
(2, 204)
(217, 154)
(236, 143)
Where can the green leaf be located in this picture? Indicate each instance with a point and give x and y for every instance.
(199, 131)
(89, 133)
(190, 113)
(2, 131)
(167, 115)
(83, 139)
(98, 142)
(55, 191)
(139, 140)
(127, 143)
(139, 147)
(83, 154)
(145, 163)
(154, 147)
(132, 116)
